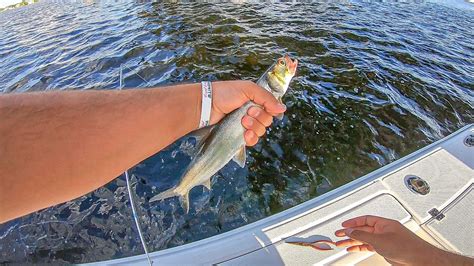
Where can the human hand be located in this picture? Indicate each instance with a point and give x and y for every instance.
(230, 95)
(389, 238)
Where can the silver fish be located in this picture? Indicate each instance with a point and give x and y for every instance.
(225, 141)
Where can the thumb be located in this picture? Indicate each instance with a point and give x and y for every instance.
(264, 98)
(362, 236)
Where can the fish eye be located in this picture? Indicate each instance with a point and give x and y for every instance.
(281, 62)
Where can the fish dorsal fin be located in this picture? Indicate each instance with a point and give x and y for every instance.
(185, 201)
(280, 116)
(240, 157)
(201, 135)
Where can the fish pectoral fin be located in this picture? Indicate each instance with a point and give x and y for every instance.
(201, 135)
(240, 157)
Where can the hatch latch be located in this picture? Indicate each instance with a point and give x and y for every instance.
(436, 214)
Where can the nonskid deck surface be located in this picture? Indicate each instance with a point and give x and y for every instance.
(448, 168)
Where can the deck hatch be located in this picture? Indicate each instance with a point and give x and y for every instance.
(417, 185)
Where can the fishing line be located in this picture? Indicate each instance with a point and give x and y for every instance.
(121, 68)
(129, 187)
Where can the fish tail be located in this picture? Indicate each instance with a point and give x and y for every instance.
(174, 192)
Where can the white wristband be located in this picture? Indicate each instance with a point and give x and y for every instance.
(206, 103)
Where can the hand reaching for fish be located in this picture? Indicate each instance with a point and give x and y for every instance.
(230, 95)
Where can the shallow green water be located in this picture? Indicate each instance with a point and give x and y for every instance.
(375, 82)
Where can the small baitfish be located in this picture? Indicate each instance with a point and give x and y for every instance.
(225, 140)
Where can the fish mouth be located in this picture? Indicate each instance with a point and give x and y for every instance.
(292, 64)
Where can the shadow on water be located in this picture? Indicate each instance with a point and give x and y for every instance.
(376, 81)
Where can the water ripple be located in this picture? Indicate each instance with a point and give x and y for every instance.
(376, 81)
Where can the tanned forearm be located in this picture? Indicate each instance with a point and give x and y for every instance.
(56, 146)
